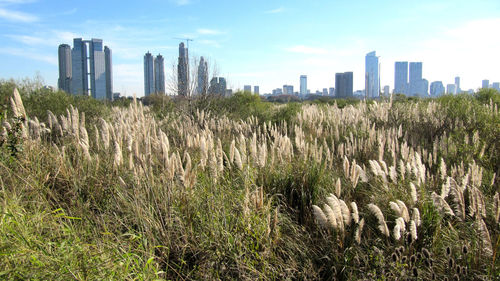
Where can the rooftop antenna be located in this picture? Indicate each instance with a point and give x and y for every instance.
(185, 39)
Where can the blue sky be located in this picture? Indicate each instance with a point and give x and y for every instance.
(267, 43)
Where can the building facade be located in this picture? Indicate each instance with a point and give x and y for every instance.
(256, 90)
(437, 89)
(372, 76)
(344, 85)
(159, 70)
(91, 69)
(149, 77)
(247, 88)
(416, 82)
(202, 83)
(108, 59)
(401, 78)
(303, 85)
(183, 71)
(217, 86)
(457, 85)
(485, 84)
(64, 55)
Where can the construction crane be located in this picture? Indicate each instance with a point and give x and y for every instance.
(185, 39)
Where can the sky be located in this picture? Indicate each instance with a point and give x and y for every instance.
(266, 43)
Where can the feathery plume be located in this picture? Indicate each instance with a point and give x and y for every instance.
(485, 237)
(416, 216)
(402, 224)
(441, 205)
(382, 226)
(237, 159)
(330, 214)
(413, 193)
(346, 214)
(320, 216)
(496, 207)
(355, 214)
(338, 188)
(397, 232)
(413, 230)
(395, 207)
(404, 210)
(359, 230)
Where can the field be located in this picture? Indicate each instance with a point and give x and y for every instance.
(243, 189)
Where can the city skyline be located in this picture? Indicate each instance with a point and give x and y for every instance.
(266, 51)
(91, 68)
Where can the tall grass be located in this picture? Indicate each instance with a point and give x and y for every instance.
(370, 190)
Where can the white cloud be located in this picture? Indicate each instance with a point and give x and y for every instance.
(301, 49)
(16, 16)
(206, 31)
(275, 11)
(51, 59)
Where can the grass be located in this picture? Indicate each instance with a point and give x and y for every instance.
(183, 210)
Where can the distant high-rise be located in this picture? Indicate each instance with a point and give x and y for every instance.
(217, 86)
(149, 77)
(344, 85)
(416, 82)
(256, 90)
(247, 88)
(401, 78)
(331, 91)
(159, 79)
(91, 69)
(79, 68)
(450, 89)
(325, 92)
(386, 90)
(496, 86)
(183, 71)
(202, 87)
(457, 85)
(485, 84)
(372, 76)
(64, 81)
(97, 69)
(437, 89)
(303, 85)
(287, 90)
(108, 58)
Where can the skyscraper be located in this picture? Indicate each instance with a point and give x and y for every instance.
(450, 89)
(247, 88)
(496, 86)
(92, 65)
(437, 89)
(287, 90)
(485, 84)
(202, 86)
(97, 69)
(108, 59)
(401, 78)
(183, 71)
(303, 85)
(416, 82)
(331, 91)
(457, 85)
(217, 86)
(64, 81)
(256, 90)
(149, 77)
(159, 78)
(386, 90)
(343, 85)
(372, 81)
(79, 68)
